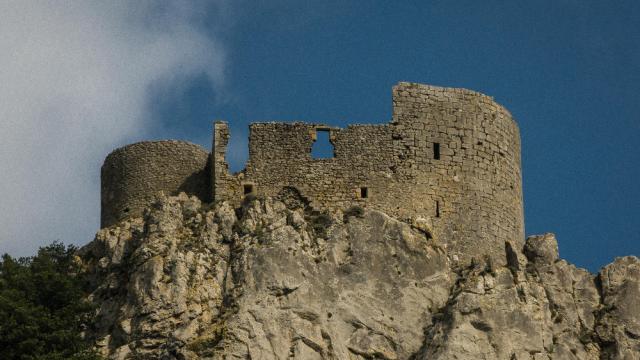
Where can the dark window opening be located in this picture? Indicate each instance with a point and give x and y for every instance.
(437, 208)
(248, 189)
(364, 192)
(322, 147)
(436, 151)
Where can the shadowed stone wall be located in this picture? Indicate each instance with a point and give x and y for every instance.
(132, 175)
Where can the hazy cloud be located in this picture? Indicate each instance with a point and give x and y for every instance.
(74, 83)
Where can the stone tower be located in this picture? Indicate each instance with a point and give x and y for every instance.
(132, 175)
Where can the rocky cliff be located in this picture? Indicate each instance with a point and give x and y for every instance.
(276, 280)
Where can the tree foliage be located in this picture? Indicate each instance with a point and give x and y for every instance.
(42, 312)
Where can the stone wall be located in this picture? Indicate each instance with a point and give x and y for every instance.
(132, 175)
(451, 156)
(280, 155)
(477, 180)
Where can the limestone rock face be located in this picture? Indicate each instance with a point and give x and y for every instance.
(542, 311)
(158, 281)
(619, 325)
(276, 281)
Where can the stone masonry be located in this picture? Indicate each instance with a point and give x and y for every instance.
(449, 157)
(132, 176)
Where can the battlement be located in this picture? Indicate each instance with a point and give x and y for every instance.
(449, 156)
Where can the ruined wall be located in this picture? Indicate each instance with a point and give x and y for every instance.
(132, 175)
(449, 155)
(223, 183)
(280, 155)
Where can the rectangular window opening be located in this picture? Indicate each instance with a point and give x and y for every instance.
(364, 192)
(436, 151)
(247, 189)
(437, 208)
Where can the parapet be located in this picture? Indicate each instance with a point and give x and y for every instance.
(132, 175)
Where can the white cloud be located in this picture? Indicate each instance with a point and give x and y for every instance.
(74, 84)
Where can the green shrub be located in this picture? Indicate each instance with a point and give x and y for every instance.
(248, 199)
(355, 210)
(320, 223)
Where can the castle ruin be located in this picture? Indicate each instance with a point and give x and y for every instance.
(451, 156)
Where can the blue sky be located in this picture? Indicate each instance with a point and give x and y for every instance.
(569, 71)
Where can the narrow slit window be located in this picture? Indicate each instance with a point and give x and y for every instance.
(364, 192)
(248, 189)
(436, 151)
(322, 147)
(437, 208)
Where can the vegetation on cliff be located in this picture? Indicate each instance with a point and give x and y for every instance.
(42, 307)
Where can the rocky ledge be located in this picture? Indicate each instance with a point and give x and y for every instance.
(276, 280)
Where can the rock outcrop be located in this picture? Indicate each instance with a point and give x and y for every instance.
(277, 280)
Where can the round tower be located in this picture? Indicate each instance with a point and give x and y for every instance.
(132, 175)
(460, 151)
